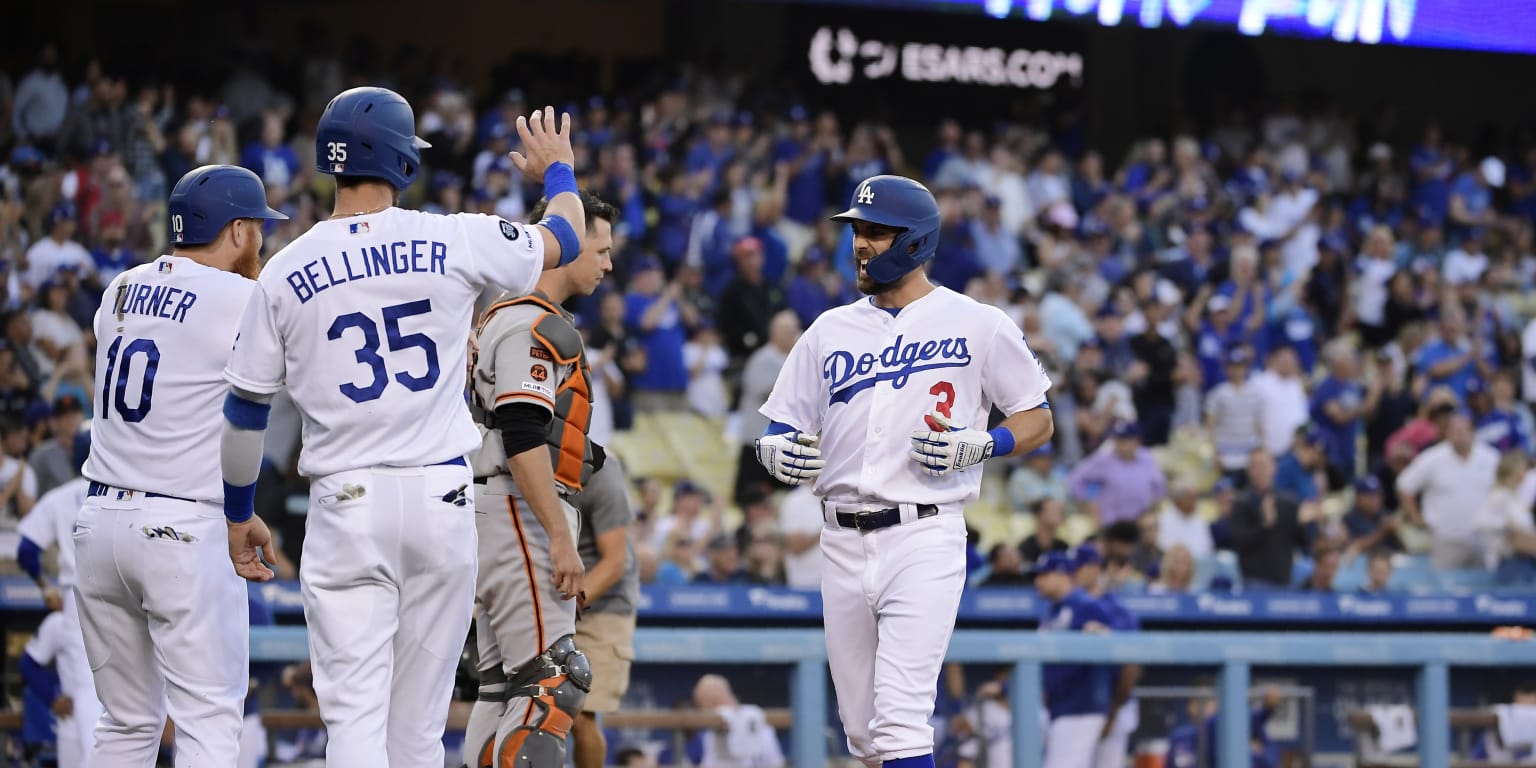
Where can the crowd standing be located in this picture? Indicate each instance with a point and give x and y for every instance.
(1298, 338)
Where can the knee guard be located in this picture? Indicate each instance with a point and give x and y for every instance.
(556, 684)
(480, 748)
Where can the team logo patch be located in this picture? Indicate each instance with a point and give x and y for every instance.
(539, 373)
(508, 231)
(539, 353)
(167, 533)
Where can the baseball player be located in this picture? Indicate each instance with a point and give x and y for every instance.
(165, 619)
(532, 383)
(878, 388)
(1076, 695)
(1124, 711)
(605, 630)
(51, 523)
(364, 319)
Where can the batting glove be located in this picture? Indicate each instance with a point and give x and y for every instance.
(791, 457)
(945, 448)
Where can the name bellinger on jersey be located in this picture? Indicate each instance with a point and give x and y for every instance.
(933, 355)
(381, 306)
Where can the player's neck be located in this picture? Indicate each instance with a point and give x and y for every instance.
(363, 199)
(554, 288)
(218, 259)
(911, 288)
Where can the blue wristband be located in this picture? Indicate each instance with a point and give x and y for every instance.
(558, 178)
(565, 235)
(239, 502)
(1002, 441)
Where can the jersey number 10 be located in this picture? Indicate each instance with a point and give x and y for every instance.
(114, 385)
(368, 354)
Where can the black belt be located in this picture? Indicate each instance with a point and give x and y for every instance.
(875, 519)
(102, 489)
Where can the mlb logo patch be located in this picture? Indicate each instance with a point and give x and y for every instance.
(359, 228)
(165, 266)
(338, 167)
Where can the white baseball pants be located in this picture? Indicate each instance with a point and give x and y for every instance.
(1070, 741)
(388, 581)
(166, 627)
(889, 598)
(76, 733)
(1114, 748)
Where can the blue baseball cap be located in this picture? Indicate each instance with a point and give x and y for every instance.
(797, 113)
(1222, 485)
(1046, 450)
(1367, 484)
(1125, 430)
(1239, 356)
(62, 211)
(1053, 562)
(1085, 555)
(1311, 435)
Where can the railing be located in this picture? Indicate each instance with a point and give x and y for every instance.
(1235, 653)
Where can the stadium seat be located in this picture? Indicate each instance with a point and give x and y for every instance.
(1466, 579)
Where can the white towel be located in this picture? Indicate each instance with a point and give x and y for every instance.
(1517, 724)
(1396, 729)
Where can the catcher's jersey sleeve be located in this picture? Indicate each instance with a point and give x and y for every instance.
(514, 366)
(164, 333)
(365, 320)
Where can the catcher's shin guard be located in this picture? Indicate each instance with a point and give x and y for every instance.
(556, 684)
(480, 735)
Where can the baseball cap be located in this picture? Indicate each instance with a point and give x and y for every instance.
(1046, 450)
(1053, 562)
(1239, 356)
(1085, 555)
(1367, 484)
(1475, 386)
(1311, 435)
(67, 403)
(797, 113)
(685, 487)
(1125, 430)
(1218, 303)
(1222, 485)
(746, 244)
(1492, 169)
(62, 211)
(644, 265)
(720, 541)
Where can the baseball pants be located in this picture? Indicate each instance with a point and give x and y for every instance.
(889, 598)
(166, 628)
(76, 733)
(519, 612)
(1114, 748)
(1070, 741)
(388, 580)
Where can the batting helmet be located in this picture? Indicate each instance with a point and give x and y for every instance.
(897, 201)
(209, 197)
(369, 132)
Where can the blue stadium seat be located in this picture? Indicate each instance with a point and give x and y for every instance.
(1414, 573)
(1466, 579)
(1352, 575)
(1218, 565)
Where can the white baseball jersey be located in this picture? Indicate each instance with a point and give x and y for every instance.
(366, 319)
(863, 380)
(52, 521)
(162, 335)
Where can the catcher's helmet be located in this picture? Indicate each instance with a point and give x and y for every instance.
(369, 132)
(209, 197)
(897, 201)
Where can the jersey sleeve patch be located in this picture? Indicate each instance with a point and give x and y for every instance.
(509, 231)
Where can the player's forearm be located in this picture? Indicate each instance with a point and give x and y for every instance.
(1125, 684)
(605, 573)
(564, 217)
(1030, 429)
(240, 445)
(535, 478)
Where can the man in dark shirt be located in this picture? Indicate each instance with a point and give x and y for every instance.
(1267, 526)
(1151, 377)
(1367, 524)
(748, 303)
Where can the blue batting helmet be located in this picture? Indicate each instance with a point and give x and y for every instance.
(209, 197)
(369, 132)
(897, 201)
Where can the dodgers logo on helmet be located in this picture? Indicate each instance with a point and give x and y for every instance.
(900, 202)
(369, 132)
(207, 198)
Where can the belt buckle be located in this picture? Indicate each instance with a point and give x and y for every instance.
(864, 519)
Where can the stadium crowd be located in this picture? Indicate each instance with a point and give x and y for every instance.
(1297, 337)
(1293, 344)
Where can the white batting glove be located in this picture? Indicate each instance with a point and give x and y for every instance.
(945, 448)
(791, 458)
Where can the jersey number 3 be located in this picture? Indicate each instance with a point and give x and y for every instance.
(114, 385)
(368, 354)
(945, 392)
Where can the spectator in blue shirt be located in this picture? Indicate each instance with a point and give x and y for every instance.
(1215, 335)
(660, 322)
(1494, 414)
(1367, 525)
(711, 152)
(1471, 202)
(1451, 360)
(1077, 695)
(816, 288)
(807, 158)
(1296, 470)
(1192, 745)
(1340, 405)
(269, 158)
(997, 250)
